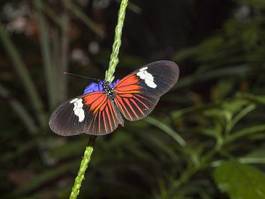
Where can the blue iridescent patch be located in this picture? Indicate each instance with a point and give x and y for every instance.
(94, 87)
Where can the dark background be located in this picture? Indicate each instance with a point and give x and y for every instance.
(211, 122)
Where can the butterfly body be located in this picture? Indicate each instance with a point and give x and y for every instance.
(108, 90)
(104, 105)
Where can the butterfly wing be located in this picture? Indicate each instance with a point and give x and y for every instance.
(93, 113)
(138, 93)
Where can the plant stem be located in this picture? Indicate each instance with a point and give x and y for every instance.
(109, 76)
(80, 176)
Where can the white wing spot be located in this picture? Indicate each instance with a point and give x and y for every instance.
(78, 109)
(147, 77)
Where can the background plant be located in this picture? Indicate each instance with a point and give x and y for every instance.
(209, 127)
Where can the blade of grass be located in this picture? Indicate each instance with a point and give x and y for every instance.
(244, 160)
(64, 51)
(245, 132)
(158, 144)
(56, 53)
(257, 99)
(43, 178)
(50, 13)
(74, 9)
(24, 76)
(165, 128)
(240, 115)
(252, 160)
(20, 110)
(46, 49)
(223, 72)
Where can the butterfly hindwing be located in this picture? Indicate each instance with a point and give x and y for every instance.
(135, 106)
(93, 113)
(106, 117)
(138, 93)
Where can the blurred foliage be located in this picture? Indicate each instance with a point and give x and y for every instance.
(232, 176)
(205, 135)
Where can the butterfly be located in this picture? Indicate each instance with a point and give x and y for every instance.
(103, 106)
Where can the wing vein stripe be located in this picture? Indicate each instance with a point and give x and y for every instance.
(108, 118)
(137, 106)
(130, 106)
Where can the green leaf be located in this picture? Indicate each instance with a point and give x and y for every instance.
(240, 181)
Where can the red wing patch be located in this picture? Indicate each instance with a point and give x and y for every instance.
(130, 98)
(129, 84)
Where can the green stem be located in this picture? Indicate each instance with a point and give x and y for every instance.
(80, 176)
(109, 76)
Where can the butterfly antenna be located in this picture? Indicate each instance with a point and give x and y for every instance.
(80, 76)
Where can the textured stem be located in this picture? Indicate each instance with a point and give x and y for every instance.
(80, 176)
(109, 76)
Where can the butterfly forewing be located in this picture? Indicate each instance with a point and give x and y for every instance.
(93, 114)
(138, 93)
